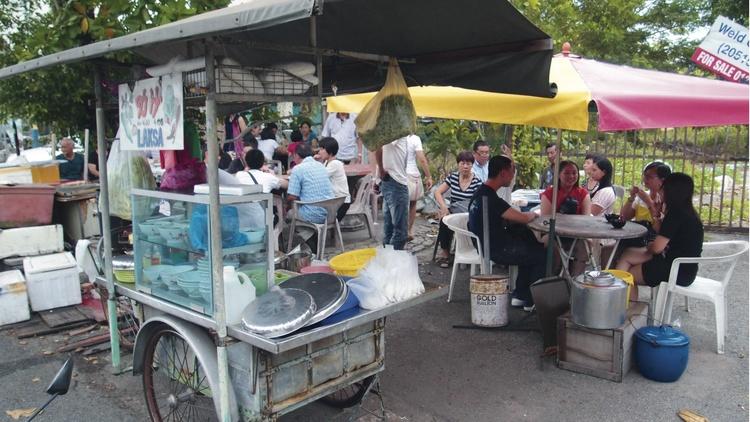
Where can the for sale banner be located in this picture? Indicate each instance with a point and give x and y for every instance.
(151, 114)
(724, 51)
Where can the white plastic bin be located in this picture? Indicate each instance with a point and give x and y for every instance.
(52, 281)
(14, 302)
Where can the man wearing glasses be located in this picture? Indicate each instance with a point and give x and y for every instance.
(481, 159)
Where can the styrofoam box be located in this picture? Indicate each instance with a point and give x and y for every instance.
(52, 281)
(14, 302)
(29, 241)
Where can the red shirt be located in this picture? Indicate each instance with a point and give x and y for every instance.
(578, 193)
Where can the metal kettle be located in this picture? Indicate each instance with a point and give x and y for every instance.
(598, 300)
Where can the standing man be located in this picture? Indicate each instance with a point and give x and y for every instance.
(72, 167)
(341, 127)
(481, 158)
(548, 175)
(391, 159)
(415, 154)
(510, 241)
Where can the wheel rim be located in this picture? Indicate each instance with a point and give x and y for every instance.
(174, 381)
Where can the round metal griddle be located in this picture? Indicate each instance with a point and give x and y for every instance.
(328, 291)
(279, 312)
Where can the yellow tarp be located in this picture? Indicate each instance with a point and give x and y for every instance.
(568, 110)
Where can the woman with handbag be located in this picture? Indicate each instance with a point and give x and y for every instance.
(571, 199)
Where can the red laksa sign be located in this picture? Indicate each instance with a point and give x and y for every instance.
(724, 51)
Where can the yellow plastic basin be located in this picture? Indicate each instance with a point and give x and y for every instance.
(627, 278)
(349, 263)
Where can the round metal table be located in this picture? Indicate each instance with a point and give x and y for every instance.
(585, 227)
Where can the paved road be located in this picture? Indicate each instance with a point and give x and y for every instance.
(435, 372)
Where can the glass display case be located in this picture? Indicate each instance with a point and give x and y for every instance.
(172, 247)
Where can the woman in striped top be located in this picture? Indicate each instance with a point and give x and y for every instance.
(462, 184)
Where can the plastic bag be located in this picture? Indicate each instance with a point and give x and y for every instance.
(390, 114)
(126, 170)
(230, 226)
(391, 276)
(184, 176)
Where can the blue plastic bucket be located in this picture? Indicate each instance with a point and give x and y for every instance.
(661, 353)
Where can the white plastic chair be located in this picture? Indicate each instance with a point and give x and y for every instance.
(279, 204)
(619, 191)
(331, 205)
(466, 252)
(703, 288)
(361, 203)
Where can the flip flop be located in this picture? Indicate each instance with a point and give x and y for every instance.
(443, 262)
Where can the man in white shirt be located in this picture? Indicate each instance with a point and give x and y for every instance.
(415, 154)
(391, 160)
(481, 159)
(341, 127)
(254, 174)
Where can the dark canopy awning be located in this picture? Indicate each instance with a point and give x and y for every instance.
(478, 44)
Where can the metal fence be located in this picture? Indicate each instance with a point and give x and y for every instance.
(716, 159)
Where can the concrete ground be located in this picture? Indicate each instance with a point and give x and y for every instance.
(435, 372)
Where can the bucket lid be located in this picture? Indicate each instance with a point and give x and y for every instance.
(664, 335)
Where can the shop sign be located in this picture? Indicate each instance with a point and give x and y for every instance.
(151, 114)
(724, 51)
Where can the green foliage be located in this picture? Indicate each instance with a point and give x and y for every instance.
(443, 140)
(645, 33)
(62, 97)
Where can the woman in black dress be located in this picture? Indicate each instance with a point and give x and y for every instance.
(680, 235)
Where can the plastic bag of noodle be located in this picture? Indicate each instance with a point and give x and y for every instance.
(390, 114)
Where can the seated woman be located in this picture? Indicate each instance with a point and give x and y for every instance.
(680, 235)
(571, 199)
(329, 147)
(588, 162)
(603, 198)
(643, 205)
(462, 184)
(308, 135)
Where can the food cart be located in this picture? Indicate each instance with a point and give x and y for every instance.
(194, 365)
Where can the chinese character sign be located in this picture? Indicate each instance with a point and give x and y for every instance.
(724, 51)
(151, 114)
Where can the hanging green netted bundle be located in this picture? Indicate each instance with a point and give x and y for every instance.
(390, 114)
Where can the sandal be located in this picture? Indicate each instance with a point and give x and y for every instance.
(443, 262)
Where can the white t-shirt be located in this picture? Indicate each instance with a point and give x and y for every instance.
(268, 180)
(337, 175)
(414, 144)
(251, 214)
(394, 160)
(345, 133)
(605, 198)
(268, 146)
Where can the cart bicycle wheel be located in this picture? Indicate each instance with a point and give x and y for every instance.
(350, 395)
(174, 381)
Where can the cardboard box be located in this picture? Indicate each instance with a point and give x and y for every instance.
(604, 354)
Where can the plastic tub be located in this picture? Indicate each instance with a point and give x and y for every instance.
(627, 278)
(349, 263)
(661, 353)
(26, 205)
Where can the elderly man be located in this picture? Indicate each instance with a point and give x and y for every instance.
(309, 182)
(72, 167)
(510, 241)
(341, 127)
(481, 158)
(547, 177)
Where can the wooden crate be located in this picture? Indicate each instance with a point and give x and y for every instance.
(604, 354)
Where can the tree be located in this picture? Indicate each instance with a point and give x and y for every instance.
(655, 34)
(63, 96)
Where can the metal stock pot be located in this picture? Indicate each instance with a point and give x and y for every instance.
(598, 300)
